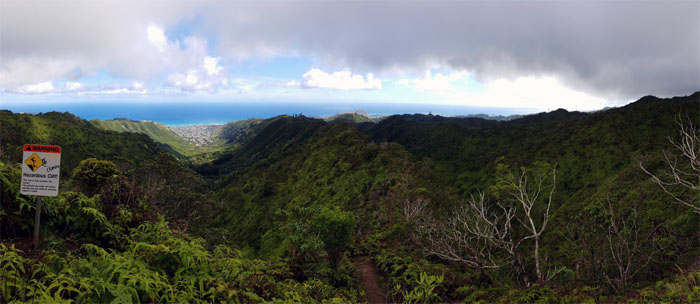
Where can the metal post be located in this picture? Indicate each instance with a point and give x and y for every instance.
(37, 220)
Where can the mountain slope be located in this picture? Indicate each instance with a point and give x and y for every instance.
(588, 147)
(274, 136)
(315, 166)
(236, 132)
(352, 118)
(78, 138)
(156, 131)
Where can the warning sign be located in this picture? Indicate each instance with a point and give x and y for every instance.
(40, 170)
(34, 162)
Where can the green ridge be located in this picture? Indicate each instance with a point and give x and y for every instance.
(156, 131)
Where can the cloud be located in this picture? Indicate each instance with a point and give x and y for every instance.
(127, 40)
(137, 85)
(526, 92)
(120, 91)
(134, 88)
(76, 88)
(17, 72)
(207, 77)
(544, 93)
(211, 65)
(340, 80)
(191, 68)
(73, 85)
(37, 88)
(612, 49)
(48, 40)
(439, 84)
(156, 36)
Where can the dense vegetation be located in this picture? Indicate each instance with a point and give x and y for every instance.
(78, 139)
(224, 138)
(351, 118)
(552, 207)
(156, 131)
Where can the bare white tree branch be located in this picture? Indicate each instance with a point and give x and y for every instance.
(475, 235)
(526, 194)
(686, 174)
(626, 246)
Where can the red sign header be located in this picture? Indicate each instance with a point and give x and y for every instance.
(42, 148)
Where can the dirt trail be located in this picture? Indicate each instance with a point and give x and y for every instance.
(369, 276)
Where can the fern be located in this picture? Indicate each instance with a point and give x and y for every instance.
(12, 273)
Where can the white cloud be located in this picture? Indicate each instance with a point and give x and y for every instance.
(192, 68)
(191, 78)
(37, 88)
(156, 36)
(541, 93)
(211, 65)
(291, 83)
(439, 84)
(73, 85)
(135, 88)
(31, 70)
(526, 92)
(112, 92)
(146, 54)
(341, 80)
(80, 89)
(137, 85)
(207, 77)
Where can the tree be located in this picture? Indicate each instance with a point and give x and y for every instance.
(308, 229)
(91, 174)
(685, 174)
(481, 235)
(530, 191)
(631, 249)
(335, 228)
(303, 243)
(475, 235)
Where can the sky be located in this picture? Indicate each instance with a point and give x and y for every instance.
(577, 55)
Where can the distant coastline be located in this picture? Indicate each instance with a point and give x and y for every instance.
(216, 113)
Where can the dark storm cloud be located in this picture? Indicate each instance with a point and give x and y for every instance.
(615, 49)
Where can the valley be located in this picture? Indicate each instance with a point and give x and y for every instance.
(197, 135)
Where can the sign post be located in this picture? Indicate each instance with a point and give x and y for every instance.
(40, 176)
(37, 221)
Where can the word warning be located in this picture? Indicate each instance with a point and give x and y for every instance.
(41, 167)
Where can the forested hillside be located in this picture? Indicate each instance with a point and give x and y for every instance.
(156, 131)
(77, 137)
(553, 207)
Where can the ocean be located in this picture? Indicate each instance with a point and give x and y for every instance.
(191, 113)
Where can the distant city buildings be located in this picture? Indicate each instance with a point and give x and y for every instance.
(199, 135)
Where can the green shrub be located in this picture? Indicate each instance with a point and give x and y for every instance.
(91, 174)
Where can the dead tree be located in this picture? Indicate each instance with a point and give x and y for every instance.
(413, 207)
(528, 191)
(685, 174)
(627, 246)
(481, 235)
(475, 235)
